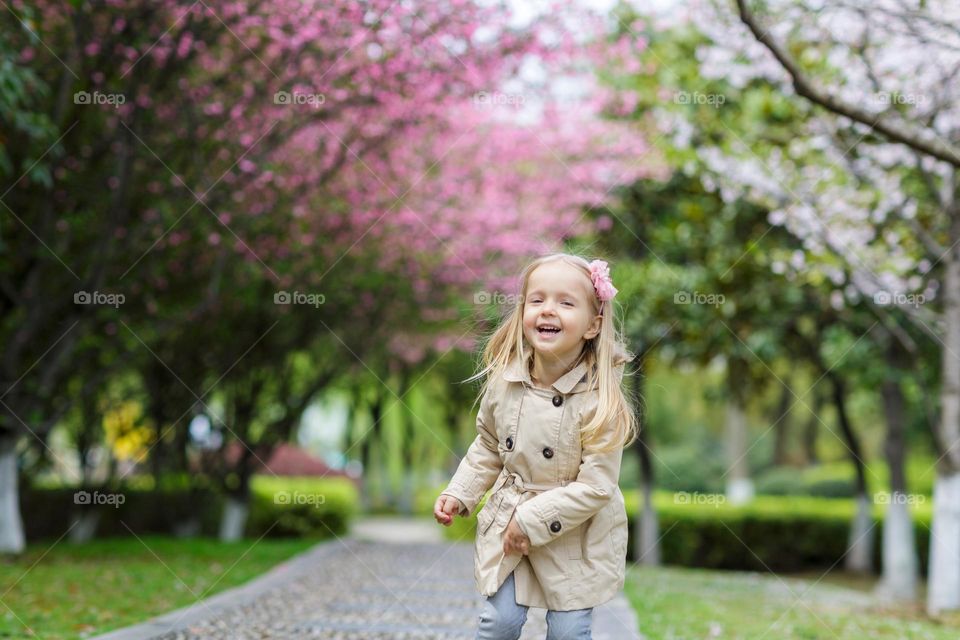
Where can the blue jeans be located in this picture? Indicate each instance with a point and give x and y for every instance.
(502, 618)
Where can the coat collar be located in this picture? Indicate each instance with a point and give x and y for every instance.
(518, 371)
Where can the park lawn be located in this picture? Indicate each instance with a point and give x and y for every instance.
(679, 602)
(59, 591)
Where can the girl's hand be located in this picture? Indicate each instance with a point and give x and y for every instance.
(514, 540)
(445, 508)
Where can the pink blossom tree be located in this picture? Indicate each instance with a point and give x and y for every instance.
(207, 158)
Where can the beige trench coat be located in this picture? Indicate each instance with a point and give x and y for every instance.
(565, 499)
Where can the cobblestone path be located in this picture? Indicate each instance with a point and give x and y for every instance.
(378, 583)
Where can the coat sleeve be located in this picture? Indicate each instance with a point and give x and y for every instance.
(480, 466)
(565, 508)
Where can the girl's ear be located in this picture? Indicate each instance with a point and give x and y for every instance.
(594, 329)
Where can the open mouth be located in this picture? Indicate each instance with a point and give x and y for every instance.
(548, 330)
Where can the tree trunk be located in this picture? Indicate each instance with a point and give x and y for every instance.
(189, 527)
(354, 439)
(236, 506)
(811, 430)
(859, 556)
(649, 528)
(404, 502)
(366, 451)
(900, 563)
(86, 517)
(646, 546)
(233, 522)
(781, 428)
(84, 525)
(900, 572)
(739, 485)
(943, 578)
(12, 539)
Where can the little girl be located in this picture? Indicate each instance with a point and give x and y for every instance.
(552, 425)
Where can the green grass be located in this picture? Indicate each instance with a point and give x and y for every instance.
(74, 591)
(674, 603)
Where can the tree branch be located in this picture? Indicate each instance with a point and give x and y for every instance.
(898, 131)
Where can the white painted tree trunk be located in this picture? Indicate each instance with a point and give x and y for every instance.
(943, 577)
(234, 519)
(12, 539)
(900, 563)
(649, 527)
(739, 487)
(859, 556)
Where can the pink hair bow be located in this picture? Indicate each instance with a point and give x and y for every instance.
(600, 275)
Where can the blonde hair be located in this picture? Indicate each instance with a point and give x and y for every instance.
(606, 352)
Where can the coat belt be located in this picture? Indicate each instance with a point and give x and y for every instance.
(515, 479)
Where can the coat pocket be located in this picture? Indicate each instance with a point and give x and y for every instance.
(488, 513)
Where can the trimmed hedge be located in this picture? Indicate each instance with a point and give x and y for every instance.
(307, 507)
(302, 506)
(784, 481)
(836, 479)
(781, 534)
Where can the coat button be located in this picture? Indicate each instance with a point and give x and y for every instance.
(509, 443)
(557, 400)
(547, 452)
(555, 526)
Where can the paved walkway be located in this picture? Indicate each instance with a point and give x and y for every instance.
(391, 578)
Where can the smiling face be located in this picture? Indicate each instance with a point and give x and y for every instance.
(558, 312)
